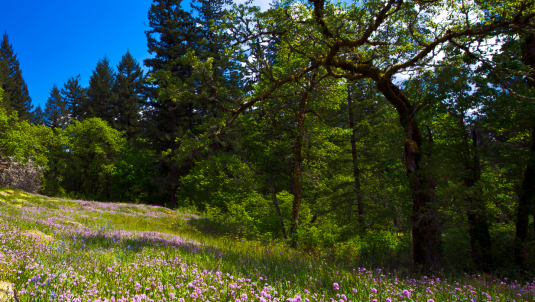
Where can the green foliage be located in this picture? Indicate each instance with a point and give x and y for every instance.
(55, 115)
(127, 87)
(132, 177)
(228, 191)
(101, 102)
(276, 87)
(23, 140)
(74, 97)
(219, 181)
(16, 95)
(85, 159)
(38, 116)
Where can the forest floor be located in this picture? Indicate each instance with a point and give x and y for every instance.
(54, 249)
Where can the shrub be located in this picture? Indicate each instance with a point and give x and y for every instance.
(23, 176)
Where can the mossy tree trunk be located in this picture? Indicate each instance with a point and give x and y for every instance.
(425, 225)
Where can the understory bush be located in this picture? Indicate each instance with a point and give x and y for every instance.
(23, 176)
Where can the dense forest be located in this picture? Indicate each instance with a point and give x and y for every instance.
(400, 132)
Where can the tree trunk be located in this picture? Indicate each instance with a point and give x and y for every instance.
(174, 169)
(527, 193)
(480, 242)
(298, 171)
(356, 170)
(425, 234)
(215, 145)
(291, 173)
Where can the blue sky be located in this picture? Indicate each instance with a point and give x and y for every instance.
(57, 39)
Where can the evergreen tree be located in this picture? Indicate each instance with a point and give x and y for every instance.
(38, 116)
(128, 88)
(16, 94)
(101, 101)
(210, 14)
(2, 104)
(74, 97)
(55, 111)
(173, 32)
(226, 75)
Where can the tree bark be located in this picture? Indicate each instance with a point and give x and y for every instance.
(527, 194)
(215, 145)
(480, 242)
(298, 171)
(274, 194)
(174, 169)
(425, 234)
(291, 173)
(356, 169)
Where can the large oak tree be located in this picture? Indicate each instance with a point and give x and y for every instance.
(377, 40)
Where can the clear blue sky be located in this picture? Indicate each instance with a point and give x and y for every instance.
(57, 39)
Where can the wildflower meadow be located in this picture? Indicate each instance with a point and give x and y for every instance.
(73, 250)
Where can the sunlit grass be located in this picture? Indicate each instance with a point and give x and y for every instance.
(73, 250)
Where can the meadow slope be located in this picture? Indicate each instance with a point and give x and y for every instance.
(55, 249)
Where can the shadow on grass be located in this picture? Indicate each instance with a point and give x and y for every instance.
(215, 252)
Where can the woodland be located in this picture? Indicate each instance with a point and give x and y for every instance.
(400, 133)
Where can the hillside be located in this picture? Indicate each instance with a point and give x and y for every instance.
(73, 250)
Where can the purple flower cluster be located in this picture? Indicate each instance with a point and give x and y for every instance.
(65, 251)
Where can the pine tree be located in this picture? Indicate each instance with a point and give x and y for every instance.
(210, 13)
(101, 101)
(128, 88)
(2, 104)
(212, 44)
(38, 116)
(173, 31)
(74, 97)
(55, 111)
(16, 96)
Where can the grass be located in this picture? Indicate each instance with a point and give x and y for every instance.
(73, 250)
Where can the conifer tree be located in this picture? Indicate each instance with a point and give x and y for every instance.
(16, 94)
(101, 101)
(74, 97)
(2, 104)
(173, 32)
(38, 116)
(209, 14)
(55, 111)
(211, 45)
(128, 88)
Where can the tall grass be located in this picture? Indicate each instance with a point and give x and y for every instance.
(75, 250)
